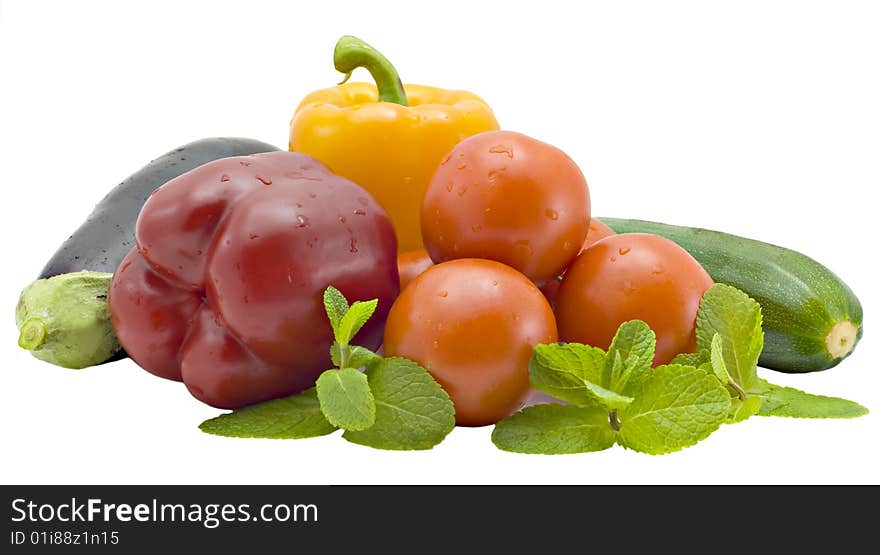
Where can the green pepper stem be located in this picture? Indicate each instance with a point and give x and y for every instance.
(351, 53)
(32, 335)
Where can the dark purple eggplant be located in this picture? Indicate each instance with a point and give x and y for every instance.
(62, 317)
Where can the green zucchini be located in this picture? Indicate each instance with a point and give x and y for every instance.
(812, 320)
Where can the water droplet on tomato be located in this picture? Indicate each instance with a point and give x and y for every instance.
(502, 149)
(359, 212)
(523, 247)
(623, 250)
(476, 228)
(341, 219)
(224, 178)
(443, 294)
(552, 214)
(301, 221)
(264, 180)
(353, 245)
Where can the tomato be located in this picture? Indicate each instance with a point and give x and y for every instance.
(412, 263)
(598, 231)
(472, 324)
(504, 196)
(627, 277)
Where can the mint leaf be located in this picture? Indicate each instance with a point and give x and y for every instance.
(358, 357)
(346, 399)
(690, 359)
(412, 410)
(730, 313)
(564, 371)
(787, 401)
(742, 409)
(295, 417)
(716, 360)
(676, 407)
(336, 306)
(354, 320)
(742, 406)
(554, 429)
(634, 342)
(606, 397)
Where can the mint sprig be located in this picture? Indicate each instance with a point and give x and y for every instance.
(617, 398)
(729, 336)
(344, 393)
(394, 404)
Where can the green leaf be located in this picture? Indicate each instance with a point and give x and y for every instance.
(716, 359)
(743, 409)
(634, 343)
(565, 370)
(346, 399)
(336, 306)
(676, 407)
(355, 319)
(787, 401)
(730, 313)
(412, 410)
(690, 359)
(358, 357)
(554, 430)
(295, 417)
(606, 397)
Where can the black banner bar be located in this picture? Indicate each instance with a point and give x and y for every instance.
(385, 519)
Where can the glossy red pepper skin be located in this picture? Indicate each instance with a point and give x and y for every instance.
(224, 289)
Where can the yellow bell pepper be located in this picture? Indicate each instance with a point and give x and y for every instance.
(388, 138)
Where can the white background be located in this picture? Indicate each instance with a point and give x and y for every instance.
(757, 118)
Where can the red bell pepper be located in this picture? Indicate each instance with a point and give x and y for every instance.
(224, 288)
